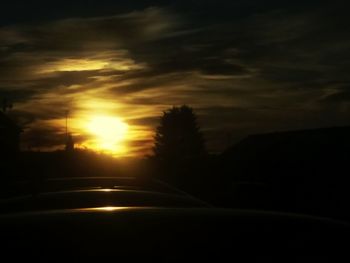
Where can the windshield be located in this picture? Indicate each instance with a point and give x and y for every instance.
(239, 104)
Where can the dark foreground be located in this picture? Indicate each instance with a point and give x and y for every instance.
(85, 219)
(172, 235)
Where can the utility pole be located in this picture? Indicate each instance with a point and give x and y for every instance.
(69, 139)
(67, 112)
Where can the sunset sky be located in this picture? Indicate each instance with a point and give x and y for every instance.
(244, 66)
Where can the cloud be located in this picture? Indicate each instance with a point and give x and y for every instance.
(79, 34)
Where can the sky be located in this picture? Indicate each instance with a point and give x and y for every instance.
(245, 67)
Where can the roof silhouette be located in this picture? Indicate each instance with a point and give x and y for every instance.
(301, 143)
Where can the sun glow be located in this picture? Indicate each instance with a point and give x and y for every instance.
(109, 134)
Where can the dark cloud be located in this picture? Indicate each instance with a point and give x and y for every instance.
(74, 35)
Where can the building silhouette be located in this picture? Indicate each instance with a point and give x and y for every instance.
(9, 135)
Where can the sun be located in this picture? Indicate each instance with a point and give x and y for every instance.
(108, 133)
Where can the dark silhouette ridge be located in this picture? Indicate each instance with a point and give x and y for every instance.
(290, 151)
(302, 171)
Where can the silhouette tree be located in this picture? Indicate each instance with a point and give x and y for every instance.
(178, 137)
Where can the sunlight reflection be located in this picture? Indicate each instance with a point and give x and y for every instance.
(104, 208)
